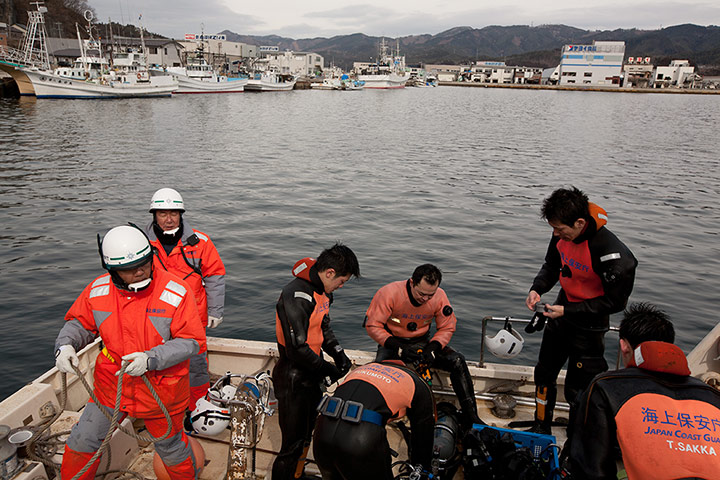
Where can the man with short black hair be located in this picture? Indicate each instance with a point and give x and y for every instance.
(596, 272)
(399, 319)
(664, 421)
(302, 326)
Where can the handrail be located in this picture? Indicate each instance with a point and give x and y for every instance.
(510, 319)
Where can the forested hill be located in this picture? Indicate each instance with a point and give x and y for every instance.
(518, 44)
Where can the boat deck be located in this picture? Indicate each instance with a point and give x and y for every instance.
(496, 385)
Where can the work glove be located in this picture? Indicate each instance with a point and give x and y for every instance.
(429, 353)
(66, 358)
(138, 364)
(342, 362)
(330, 372)
(214, 322)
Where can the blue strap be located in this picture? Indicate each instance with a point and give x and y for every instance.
(371, 416)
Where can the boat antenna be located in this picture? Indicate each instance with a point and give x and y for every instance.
(142, 43)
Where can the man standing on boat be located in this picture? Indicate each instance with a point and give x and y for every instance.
(399, 319)
(350, 441)
(149, 323)
(302, 326)
(596, 272)
(665, 422)
(192, 256)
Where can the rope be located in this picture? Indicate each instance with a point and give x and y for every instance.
(116, 413)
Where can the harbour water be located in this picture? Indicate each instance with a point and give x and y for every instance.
(451, 176)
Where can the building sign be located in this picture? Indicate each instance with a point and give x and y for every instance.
(269, 49)
(195, 36)
(580, 48)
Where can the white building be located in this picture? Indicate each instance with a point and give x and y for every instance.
(638, 72)
(597, 64)
(293, 63)
(678, 74)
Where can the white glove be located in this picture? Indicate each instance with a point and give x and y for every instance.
(138, 363)
(65, 358)
(214, 321)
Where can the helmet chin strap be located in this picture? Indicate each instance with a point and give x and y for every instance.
(137, 286)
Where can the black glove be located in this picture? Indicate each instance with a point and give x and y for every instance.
(536, 324)
(342, 362)
(430, 352)
(328, 370)
(394, 344)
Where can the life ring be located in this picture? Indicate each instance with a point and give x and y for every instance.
(139, 76)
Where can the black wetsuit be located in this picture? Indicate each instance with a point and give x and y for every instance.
(358, 451)
(302, 326)
(579, 335)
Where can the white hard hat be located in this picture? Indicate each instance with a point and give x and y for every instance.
(208, 418)
(167, 199)
(507, 343)
(124, 247)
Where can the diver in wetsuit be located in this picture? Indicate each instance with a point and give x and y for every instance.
(350, 441)
(302, 326)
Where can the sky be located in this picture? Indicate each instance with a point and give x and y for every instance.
(395, 18)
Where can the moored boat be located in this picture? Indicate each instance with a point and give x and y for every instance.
(270, 82)
(387, 73)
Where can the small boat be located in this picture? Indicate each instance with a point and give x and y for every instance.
(37, 412)
(344, 82)
(270, 82)
(198, 76)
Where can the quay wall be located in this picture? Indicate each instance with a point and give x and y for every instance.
(693, 91)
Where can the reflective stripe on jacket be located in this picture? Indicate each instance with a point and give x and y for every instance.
(161, 320)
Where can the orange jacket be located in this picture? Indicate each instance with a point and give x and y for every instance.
(209, 289)
(161, 320)
(393, 312)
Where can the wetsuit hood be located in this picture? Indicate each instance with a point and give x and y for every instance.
(660, 357)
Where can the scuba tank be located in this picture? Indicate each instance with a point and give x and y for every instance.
(445, 441)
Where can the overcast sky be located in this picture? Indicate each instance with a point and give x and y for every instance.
(323, 18)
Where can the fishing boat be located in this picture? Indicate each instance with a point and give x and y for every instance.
(387, 72)
(200, 77)
(35, 420)
(92, 76)
(270, 82)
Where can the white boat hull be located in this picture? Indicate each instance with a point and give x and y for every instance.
(264, 86)
(386, 81)
(192, 85)
(49, 85)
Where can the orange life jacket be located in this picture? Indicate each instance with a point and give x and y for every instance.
(131, 322)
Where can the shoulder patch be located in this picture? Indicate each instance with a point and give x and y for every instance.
(169, 297)
(610, 256)
(100, 291)
(104, 280)
(175, 287)
(304, 296)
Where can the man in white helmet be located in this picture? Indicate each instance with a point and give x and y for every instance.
(192, 256)
(148, 321)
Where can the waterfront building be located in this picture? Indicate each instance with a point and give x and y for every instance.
(638, 72)
(678, 74)
(217, 50)
(599, 64)
(292, 63)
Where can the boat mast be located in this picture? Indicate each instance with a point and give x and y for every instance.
(36, 33)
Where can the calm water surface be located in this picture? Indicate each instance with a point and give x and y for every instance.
(452, 176)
